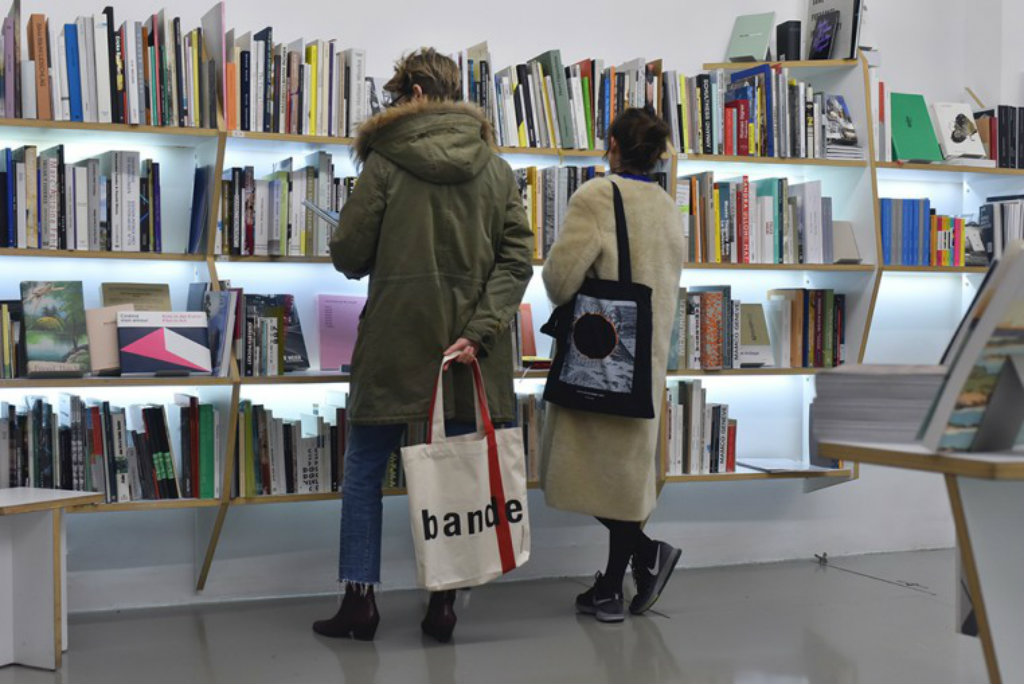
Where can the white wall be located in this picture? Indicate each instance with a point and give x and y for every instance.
(120, 560)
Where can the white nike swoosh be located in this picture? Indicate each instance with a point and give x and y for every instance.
(654, 568)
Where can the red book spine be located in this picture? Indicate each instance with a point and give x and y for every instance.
(743, 117)
(711, 329)
(819, 328)
(993, 138)
(729, 130)
(730, 454)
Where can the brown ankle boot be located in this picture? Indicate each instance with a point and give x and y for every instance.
(440, 619)
(357, 618)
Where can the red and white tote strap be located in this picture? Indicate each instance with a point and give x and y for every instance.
(435, 421)
(504, 534)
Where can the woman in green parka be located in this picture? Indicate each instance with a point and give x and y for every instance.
(437, 223)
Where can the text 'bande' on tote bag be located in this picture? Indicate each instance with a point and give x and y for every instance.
(603, 341)
(467, 498)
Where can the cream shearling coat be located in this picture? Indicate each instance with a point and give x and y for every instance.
(599, 464)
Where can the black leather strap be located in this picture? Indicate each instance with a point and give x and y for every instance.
(622, 237)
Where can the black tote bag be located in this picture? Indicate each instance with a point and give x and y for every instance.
(603, 334)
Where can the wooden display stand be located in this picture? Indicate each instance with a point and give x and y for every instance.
(33, 609)
(986, 494)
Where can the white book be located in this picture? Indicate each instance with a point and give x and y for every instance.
(259, 74)
(279, 479)
(120, 442)
(261, 239)
(579, 115)
(83, 70)
(540, 119)
(28, 93)
(355, 61)
(88, 56)
(170, 69)
(133, 236)
(809, 200)
(131, 68)
(5, 448)
(297, 212)
(322, 86)
(81, 195)
(509, 104)
(282, 95)
(307, 106)
(191, 118)
(705, 447)
(341, 106)
(65, 93)
(57, 68)
(100, 54)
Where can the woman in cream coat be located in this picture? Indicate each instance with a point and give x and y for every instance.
(604, 465)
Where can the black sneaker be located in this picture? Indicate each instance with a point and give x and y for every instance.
(606, 607)
(650, 581)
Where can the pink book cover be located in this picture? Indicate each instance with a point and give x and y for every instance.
(338, 322)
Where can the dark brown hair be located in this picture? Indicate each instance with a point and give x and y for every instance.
(642, 138)
(437, 75)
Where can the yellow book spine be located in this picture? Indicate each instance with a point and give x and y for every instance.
(531, 185)
(718, 229)
(311, 60)
(5, 331)
(549, 117)
(193, 106)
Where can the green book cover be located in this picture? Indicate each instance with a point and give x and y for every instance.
(551, 63)
(913, 138)
(53, 316)
(586, 112)
(247, 454)
(751, 34)
(207, 451)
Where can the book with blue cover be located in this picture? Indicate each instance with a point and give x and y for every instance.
(73, 73)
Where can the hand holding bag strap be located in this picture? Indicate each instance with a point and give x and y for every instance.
(501, 530)
(435, 422)
(622, 238)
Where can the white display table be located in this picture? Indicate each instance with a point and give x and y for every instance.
(986, 493)
(33, 609)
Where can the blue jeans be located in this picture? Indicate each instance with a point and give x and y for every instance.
(366, 457)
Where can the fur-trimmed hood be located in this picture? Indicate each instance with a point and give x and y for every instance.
(442, 142)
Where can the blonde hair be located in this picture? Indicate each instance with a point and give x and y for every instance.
(437, 75)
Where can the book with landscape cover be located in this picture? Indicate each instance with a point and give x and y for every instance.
(338, 322)
(163, 342)
(295, 356)
(54, 335)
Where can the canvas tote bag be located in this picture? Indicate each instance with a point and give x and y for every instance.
(603, 341)
(467, 498)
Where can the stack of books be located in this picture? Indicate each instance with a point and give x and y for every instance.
(270, 341)
(129, 454)
(546, 193)
(108, 203)
(285, 456)
(530, 411)
(758, 112)
(97, 70)
(766, 221)
(268, 217)
(712, 331)
(701, 436)
(1000, 223)
(913, 234)
(888, 403)
(808, 327)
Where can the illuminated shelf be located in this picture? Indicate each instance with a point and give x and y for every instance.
(321, 496)
(98, 382)
(147, 505)
(934, 269)
(272, 259)
(865, 268)
(83, 254)
(948, 168)
(541, 374)
(748, 474)
(296, 379)
(822, 64)
(786, 161)
(289, 138)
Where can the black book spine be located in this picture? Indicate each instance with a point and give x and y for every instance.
(1019, 151)
(289, 458)
(268, 83)
(275, 125)
(245, 85)
(62, 189)
(704, 86)
(186, 451)
(108, 453)
(64, 456)
(4, 241)
(179, 74)
(524, 76)
(116, 113)
(144, 209)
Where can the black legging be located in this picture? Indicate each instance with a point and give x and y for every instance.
(625, 537)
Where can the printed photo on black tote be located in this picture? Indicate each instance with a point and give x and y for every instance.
(602, 337)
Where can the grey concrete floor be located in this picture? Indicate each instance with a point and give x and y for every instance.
(763, 624)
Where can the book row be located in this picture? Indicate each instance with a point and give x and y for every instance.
(96, 70)
(701, 436)
(133, 453)
(910, 129)
(107, 203)
(272, 216)
(757, 112)
(807, 327)
(545, 193)
(766, 221)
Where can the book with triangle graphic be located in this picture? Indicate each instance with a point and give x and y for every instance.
(163, 342)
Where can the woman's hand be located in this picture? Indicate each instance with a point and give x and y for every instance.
(465, 349)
